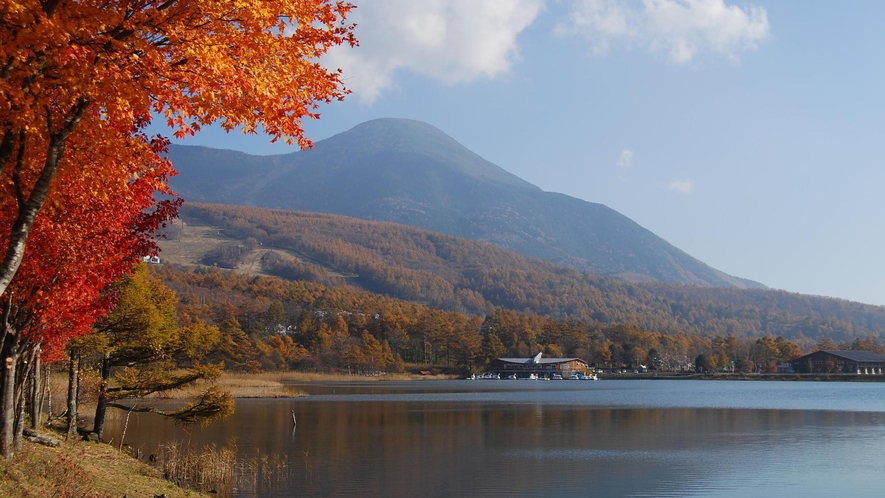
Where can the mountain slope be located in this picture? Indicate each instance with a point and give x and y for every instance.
(411, 173)
(458, 274)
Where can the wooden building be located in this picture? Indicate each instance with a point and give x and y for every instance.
(850, 362)
(523, 368)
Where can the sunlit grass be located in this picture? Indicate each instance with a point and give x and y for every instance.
(81, 469)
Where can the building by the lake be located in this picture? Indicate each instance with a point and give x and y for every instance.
(523, 368)
(831, 361)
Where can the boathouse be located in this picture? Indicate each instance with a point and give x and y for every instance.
(523, 368)
(831, 361)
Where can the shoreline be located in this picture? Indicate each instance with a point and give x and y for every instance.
(769, 377)
(280, 384)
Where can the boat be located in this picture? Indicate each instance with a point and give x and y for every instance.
(580, 376)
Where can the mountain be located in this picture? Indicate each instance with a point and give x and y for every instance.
(411, 173)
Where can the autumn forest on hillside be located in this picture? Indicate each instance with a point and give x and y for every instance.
(269, 324)
(475, 278)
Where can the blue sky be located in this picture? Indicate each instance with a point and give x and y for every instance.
(749, 134)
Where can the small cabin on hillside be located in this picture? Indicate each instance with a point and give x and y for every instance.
(523, 368)
(850, 362)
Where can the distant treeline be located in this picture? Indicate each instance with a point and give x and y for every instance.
(475, 278)
(268, 323)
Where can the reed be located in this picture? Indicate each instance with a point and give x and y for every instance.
(220, 470)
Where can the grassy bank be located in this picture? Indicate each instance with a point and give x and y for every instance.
(82, 469)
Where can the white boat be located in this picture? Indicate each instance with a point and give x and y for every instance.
(580, 376)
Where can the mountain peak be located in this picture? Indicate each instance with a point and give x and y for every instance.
(401, 126)
(420, 147)
(396, 134)
(410, 172)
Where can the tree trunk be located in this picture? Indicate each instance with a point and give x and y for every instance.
(37, 392)
(73, 387)
(19, 417)
(8, 360)
(47, 388)
(30, 207)
(24, 372)
(101, 407)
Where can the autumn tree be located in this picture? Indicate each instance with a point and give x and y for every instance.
(78, 246)
(78, 83)
(68, 69)
(765, 354)
(492, 347)
(142, 346)
(826, 344)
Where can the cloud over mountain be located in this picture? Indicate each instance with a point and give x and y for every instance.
(682, 29)
(452, 41)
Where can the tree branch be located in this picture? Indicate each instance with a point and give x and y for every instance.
(49, 7)
(7, 68)
(7, 145)
(16, 173)
(165, 5)
(210, 405)
(28, 213)
(143, 409)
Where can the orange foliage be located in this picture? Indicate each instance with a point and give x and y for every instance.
(78, 245)
(90, 73)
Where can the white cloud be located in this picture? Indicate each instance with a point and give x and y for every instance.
(452, 41)
(682, 29)
(681, 186)
(626, 160)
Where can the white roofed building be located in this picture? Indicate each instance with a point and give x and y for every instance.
(538, 365)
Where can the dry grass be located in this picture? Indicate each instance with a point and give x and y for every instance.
(256, 386)
(245, 385)
(81, 469)
(334, 377)
(277, 384)
(95, 470)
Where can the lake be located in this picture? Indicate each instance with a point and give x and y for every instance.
(557, 438)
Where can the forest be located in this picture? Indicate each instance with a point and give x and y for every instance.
(475, 278)
(269, 324)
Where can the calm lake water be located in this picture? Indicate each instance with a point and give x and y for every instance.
(558, 438)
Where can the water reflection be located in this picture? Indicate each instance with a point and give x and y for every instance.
(434, 441)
